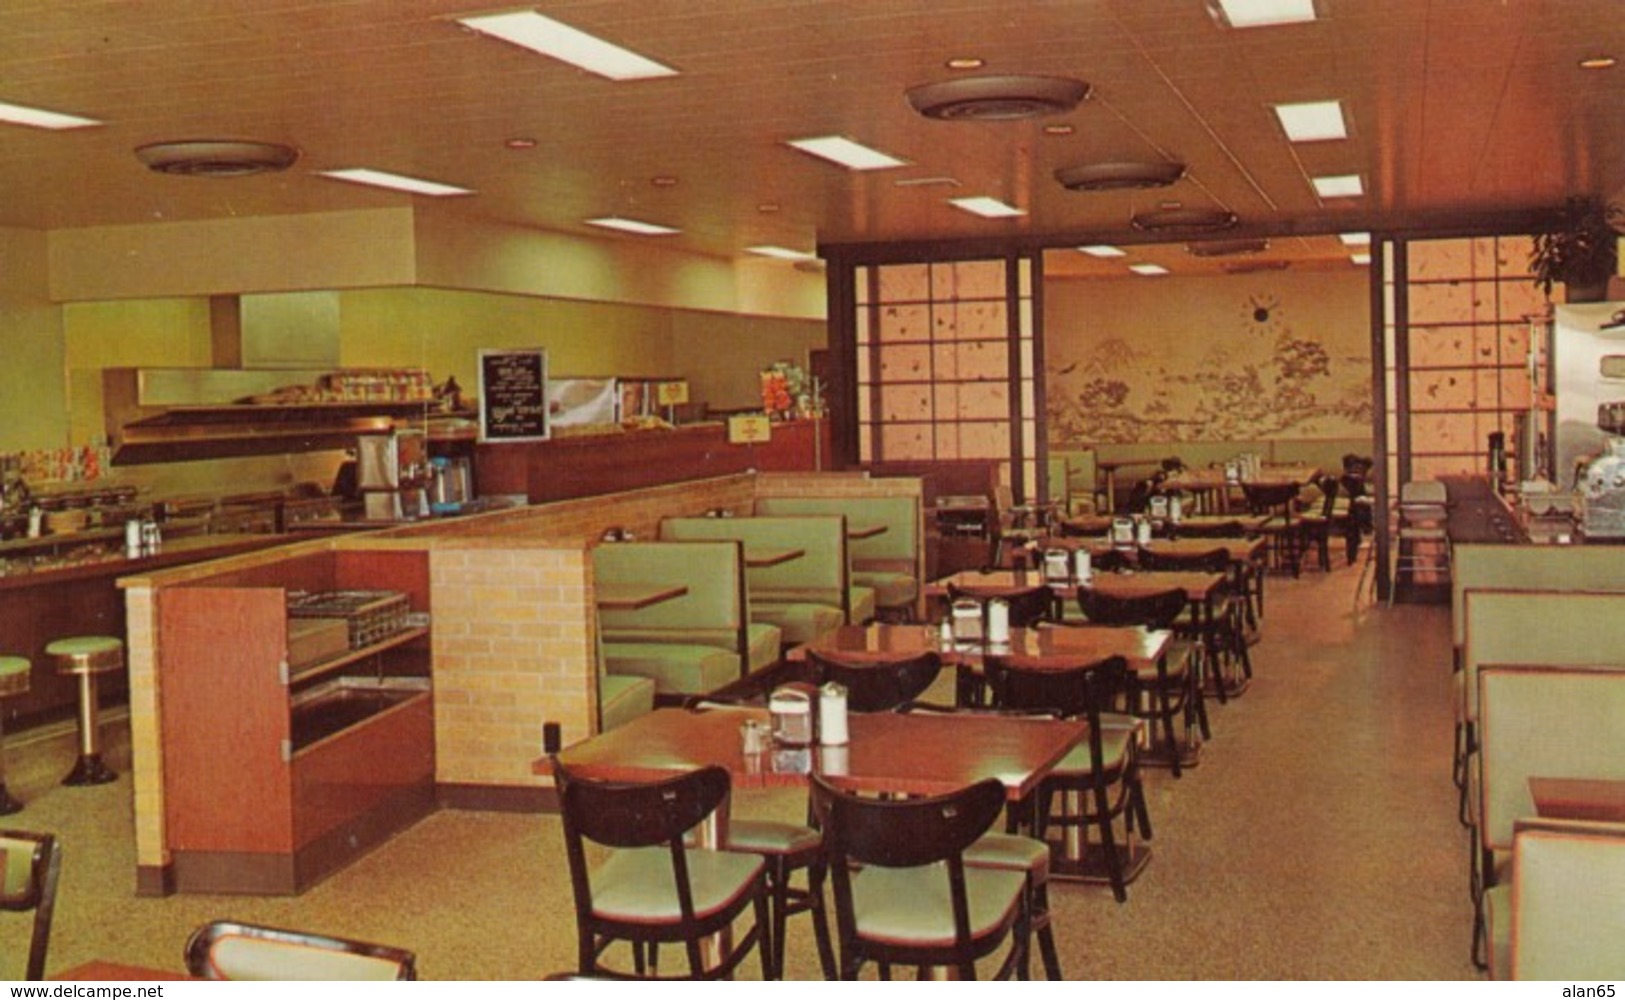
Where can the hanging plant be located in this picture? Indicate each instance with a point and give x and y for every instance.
(1582, 251)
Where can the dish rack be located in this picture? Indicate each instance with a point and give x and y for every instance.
(372, 615)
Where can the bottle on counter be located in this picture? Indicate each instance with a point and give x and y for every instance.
(134, 538)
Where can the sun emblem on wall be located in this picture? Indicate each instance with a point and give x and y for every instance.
(1261, 314)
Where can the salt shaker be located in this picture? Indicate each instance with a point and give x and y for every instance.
(998, 620)
(832, 715)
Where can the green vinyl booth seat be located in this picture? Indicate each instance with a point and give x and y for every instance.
(805, 597)
(887, 563)
(714, 611)
(675, 668)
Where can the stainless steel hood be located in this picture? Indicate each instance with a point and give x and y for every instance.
(263, 347)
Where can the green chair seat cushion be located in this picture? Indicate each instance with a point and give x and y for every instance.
(676, 668)
(257, 959)
(622, 698)
(892, 590)
(862, 602)
(1115, 741)
(764, 641)
(1011, 852)
(912, 906)
(798, 622)
(638, 884)
(1178, 663)
(762, 836)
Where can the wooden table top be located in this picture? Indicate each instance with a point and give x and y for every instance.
(866, 530)
(1235, 549)
(922, 754)
(759, 558)
(101, 970)
(633, 596)
(1598, 799)
(1142, 647)
(1197, 586)
(1100, 524)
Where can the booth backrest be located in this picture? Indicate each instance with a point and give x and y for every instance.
(820, 575)
(1567, 921)
(713, 612)
(1530, 567)
(1522, 627)
(1543, 721)
(1072, 475)
(900, 515)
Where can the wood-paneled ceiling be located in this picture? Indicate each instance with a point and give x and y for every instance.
(1456, 108)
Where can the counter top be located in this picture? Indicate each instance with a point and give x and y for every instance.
(114, 564)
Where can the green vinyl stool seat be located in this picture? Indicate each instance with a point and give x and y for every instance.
(14, 672)
(86, 658)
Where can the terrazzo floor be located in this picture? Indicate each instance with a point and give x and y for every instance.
(1316, 840)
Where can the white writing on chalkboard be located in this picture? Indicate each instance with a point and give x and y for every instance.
(513, 395)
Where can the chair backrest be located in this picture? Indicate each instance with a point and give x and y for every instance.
(877, 684)
(1543, 721)
(1027, 607)
(30, 864)
(1087, 688)
(1423, 492)
(1211, 561)
(225, 949)
(1567, 883)
(903, 833)
(1270, 498)
(1329, 485)
(1158, 610)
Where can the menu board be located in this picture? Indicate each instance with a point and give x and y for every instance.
(513, 395)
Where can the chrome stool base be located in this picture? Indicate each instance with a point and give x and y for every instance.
(89, 770)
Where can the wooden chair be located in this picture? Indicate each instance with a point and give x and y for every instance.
(225, 949)
(903, 892)
(1315, 525)
(877, 683)
(653, 888)
(1177, 683)
(1277, 500)
(1224, 633)
(30, 864)
(1104, 776)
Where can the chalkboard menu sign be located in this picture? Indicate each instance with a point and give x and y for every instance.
(513, 395)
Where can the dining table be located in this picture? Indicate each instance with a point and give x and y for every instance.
(106, 970)
(635, 596)
(1593, 799)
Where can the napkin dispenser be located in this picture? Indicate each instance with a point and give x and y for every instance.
(791, 710)
(1159, 506)
(1123, 532)
(1057, 564)
(966, 616)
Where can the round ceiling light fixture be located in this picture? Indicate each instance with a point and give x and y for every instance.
(996, 98)
(1123, 176)
(1187, 221)
(216, 157)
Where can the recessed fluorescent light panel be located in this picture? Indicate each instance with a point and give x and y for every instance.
(849, 154)
(17, 114)
(1102, 250)
(987, 208)
(1339, 186)
(395, 182)
(632, 226)
(1149, 270)
(1263, 13)
(1361, 259)
(781, 253)
(1312, 121)
(531, 30)
(1355, 239)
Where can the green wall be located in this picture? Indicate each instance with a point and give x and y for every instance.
(33, 383)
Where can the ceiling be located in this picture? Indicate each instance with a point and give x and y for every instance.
(1455, 108)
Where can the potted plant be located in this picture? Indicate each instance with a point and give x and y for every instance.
(1581, 251)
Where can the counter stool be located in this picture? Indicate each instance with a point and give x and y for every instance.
(87, 657)
(14, 671)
